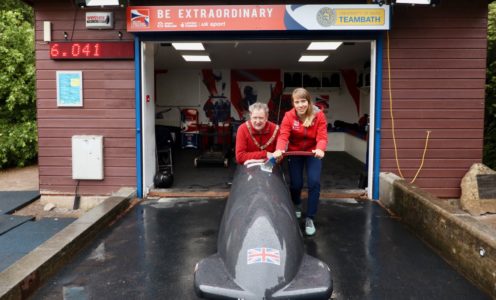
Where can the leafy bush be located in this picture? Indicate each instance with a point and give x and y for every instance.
(18, 134)
(18, 144)
(490, 116)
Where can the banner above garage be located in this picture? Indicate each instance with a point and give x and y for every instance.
(257, 17)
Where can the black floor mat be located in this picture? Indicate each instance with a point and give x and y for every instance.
(340, 170)
(13, 200)
(24, 238)
(8, 222)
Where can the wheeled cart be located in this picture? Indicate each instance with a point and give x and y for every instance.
(164, 176)
(211, 158)
(215, 144)
(189, 128)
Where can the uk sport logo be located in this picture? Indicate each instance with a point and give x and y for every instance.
(140, 18)
(263, 255)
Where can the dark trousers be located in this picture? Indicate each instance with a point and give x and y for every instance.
(313, 167)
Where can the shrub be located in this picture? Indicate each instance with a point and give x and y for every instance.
(18, 144)
(18, 134)
(490, 115)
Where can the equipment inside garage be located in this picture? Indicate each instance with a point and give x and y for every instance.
(202, 96)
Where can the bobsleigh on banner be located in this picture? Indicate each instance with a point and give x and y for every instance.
(260, 251)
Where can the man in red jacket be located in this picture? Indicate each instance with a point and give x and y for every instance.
(256, 138)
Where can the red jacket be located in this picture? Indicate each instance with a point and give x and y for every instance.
(245, 146)
(295, 137)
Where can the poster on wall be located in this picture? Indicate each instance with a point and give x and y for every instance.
(217, 107)
(322, 102)
(255, 91)
(69, 88)
(285, 104)
(250, 86)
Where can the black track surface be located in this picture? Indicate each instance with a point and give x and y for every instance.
(152, 251)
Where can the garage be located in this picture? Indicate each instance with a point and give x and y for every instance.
(200, 67)
(192, 108)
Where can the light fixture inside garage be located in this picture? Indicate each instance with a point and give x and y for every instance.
(196, 58)
(188, 46)
(324, 45)
(313, 58)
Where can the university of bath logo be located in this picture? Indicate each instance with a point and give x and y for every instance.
(140, 18)
(326, 17)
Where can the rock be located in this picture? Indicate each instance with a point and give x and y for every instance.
(49, 207)
(469, 199)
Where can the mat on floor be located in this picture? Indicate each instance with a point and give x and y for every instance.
(24, 238)
(13, 200)
(8, 222)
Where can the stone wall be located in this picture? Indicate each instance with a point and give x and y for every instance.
(462, 240)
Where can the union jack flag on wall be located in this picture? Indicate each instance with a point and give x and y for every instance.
(263, 255)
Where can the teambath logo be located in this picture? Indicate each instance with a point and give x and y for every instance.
(140, 18)
(326, 17)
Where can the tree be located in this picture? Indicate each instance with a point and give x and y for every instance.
(19, 6)
(18, 134)
(490, 115)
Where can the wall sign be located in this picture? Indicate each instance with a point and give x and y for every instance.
(257, 17)
(70, 88)
(99, 20)
(92, 50)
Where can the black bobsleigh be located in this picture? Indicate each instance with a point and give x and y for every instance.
(260, 253)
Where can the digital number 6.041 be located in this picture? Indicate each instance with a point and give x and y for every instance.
(92, 50)
(76, 50)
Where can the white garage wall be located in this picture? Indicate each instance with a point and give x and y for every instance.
(185, 88)
(364, 101)
(341, 106)
(148, 110)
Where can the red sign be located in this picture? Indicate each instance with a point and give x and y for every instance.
(258, 17)
(92, 50)
(205, 18)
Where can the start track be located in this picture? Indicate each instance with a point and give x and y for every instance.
(151, 252)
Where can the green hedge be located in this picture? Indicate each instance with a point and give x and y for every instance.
(490, 116)
(18, 134)
(18, 144)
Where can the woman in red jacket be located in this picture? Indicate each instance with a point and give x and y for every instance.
(304, 128)
(256, 138)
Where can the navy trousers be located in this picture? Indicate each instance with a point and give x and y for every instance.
(313, 167)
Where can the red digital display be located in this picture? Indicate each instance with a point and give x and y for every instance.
(92, 50)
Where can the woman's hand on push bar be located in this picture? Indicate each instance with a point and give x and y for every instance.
(318, 153)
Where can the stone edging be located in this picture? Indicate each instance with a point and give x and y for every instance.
(464, 242)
